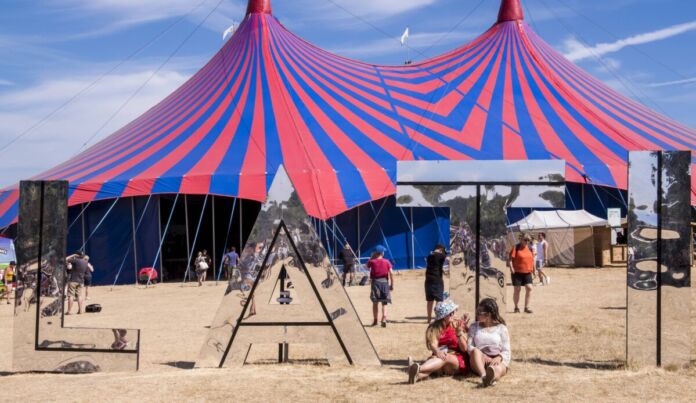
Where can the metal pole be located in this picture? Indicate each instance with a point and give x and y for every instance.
(413, 242)
(135, 247)
(241, 241)
(83, 227)
(159, 225)
(359, 238)
(214, 256)
(188, 245)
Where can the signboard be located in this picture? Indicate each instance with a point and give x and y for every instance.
(614, 217)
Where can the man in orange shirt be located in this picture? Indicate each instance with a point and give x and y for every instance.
(522, 267)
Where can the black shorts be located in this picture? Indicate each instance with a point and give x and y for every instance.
(521, 279)
(88, 281)
(380, 291)
(349, 268)
(434, 289)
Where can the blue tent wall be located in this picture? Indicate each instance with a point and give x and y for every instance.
(391, 229)
(113, 240)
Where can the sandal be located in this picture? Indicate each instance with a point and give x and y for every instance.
(517, 310)
(489, 378)
(413, 372)
(527, 310)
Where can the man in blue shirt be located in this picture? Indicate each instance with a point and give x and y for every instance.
(231, 260)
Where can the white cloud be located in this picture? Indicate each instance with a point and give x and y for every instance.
(64, 134)
(125, 13)
(683, 82)
(6, 82)
(381, 7)
(576, 51)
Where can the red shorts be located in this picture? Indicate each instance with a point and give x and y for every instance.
(463, 360)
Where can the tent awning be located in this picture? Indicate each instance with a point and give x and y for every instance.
(543, 220)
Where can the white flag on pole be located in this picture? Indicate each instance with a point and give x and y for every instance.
(404, 37)
(229, 31)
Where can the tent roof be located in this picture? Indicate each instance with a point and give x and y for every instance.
(339, 126)
(554, 219)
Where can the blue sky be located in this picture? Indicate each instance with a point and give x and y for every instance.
(55, 51)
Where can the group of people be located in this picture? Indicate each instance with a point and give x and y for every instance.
(79, 280)
(457, 346)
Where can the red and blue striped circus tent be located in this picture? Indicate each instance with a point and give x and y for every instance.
(338, 126)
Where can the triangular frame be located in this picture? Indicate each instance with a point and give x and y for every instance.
(335, 327)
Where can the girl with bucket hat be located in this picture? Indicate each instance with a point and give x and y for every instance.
(446, 339)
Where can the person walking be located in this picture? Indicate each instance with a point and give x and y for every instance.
(230, 262)
(446, 340)
(76, 281)
(540, 259)
(381, 285)
(488, 343)
(434, 283)
(202, 263)
(522, 267)
(347, 257)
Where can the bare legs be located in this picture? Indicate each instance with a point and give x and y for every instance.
(527, 297)
(480, 362)
(449, 366)
(80, 301)
(430, 310)
(375, 313)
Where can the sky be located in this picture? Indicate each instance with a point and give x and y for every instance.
(74, 71)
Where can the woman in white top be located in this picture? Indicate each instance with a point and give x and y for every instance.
(488, 343)
(540, 259)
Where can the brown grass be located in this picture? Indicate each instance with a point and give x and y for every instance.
(570, 349)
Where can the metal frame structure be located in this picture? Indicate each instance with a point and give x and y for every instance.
(478, 264)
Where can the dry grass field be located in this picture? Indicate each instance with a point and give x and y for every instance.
(570, 349)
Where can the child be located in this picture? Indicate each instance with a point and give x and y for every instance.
(381, 283)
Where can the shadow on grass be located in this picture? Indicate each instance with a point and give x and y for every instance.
(600, 365)
(180, 364)
(396, 363)
(614, 308)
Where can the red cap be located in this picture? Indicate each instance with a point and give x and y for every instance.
(510, 10)
(259, 6)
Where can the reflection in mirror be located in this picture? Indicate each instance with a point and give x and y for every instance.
(41, 343)
(289, 294)
(478, 210)
(658, 277)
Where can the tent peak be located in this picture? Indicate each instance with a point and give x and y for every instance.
(259, 6)
(510, 10)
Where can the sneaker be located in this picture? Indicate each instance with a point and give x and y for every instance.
(489, 378)
(413, 371)
(548, 280)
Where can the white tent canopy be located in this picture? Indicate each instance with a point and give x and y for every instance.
(557, 219)
(569, 234)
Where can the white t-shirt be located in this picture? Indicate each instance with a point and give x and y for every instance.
(540, 256)
(494, 338)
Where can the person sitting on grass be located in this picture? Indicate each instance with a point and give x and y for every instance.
(489, 343)
(446, 339)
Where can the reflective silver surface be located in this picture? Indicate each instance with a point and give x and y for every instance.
(472, 172)
(658, 300)
(490, 203)
(675, 234)
(41, 343)
(288, 293)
